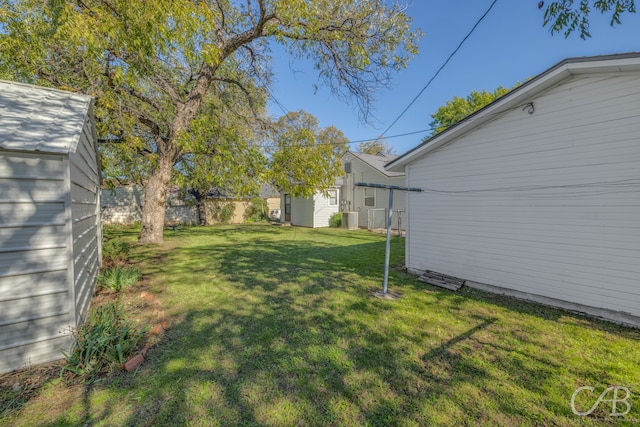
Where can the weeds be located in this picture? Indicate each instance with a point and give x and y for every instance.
(117, 278)
(115, 252)
(102, 343)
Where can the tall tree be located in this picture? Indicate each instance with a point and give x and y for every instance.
(568, 16)
(152, 64)
(459, 108)
(375, 146)
(305, 158)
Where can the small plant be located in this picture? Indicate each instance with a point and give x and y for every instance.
(117, 278)
(115, 251)
(335, 220)
(103, 343)
(257, 211)
(222, 211)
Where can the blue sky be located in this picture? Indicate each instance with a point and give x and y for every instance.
(509, 46)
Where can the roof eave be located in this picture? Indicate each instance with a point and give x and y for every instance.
(519, 96)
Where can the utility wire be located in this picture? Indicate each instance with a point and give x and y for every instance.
(286, 113)
(440, 69)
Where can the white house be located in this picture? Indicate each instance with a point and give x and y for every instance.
(372, 204)
(537, 195)
(311, 212)
(50, 234)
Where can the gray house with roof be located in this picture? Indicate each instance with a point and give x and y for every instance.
(372, 203)
(50, 234)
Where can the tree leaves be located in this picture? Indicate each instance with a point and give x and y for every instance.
(459, 108)
(161, 72)
(305, 158)
(568, 16)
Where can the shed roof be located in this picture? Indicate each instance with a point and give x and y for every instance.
(34, 118)
(522, 96)
(377, 161)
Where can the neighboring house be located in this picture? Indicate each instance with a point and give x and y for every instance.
(313, 211)
(537, 195)
(372, 204)
(50, 234)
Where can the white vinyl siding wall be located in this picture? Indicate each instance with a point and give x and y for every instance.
(545, 203)
(323, 210)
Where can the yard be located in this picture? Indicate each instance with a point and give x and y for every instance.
(277, 326)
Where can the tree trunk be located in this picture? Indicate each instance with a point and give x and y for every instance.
(154, 203)
(201, 200)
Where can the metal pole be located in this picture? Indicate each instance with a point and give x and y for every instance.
(388, 248)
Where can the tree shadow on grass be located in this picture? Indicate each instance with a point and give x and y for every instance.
(286, 333)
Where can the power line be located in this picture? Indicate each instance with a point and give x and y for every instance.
(441, 68)
(356, 141)
(286, 114)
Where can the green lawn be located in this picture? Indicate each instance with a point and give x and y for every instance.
(277, 326)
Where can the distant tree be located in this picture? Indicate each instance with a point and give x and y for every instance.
(568, 16)
(459, 108)
(154, 67)
(375, 146)
(305, 158)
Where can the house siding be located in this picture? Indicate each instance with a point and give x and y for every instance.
(546, 204)
(354, 196)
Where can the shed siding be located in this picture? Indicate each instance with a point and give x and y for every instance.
(547, 204)
(85, 218)
(302, 211)
(33, 262)
(322, 211)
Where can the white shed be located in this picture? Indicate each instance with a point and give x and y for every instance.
(50, 234)
(538, 194)
(312, 211)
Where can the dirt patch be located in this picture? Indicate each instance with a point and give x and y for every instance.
(18, 387)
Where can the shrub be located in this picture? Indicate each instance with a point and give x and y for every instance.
(221, 211)
(103, 343)
(115, 251)
(117, 278)
(335, 220)
(257, 211)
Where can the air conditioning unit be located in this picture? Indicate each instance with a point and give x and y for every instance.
(350, 220)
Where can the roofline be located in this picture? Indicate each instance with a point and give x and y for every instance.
(42, 88)
(382, 172)
(518, 97)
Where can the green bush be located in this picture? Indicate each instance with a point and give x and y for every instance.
(103, 343)
(222, 211)
(117, 278)
(257, 211)
(115, 251)
(335, 220)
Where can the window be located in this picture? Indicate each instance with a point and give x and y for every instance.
(369, 197)
(333, 197)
